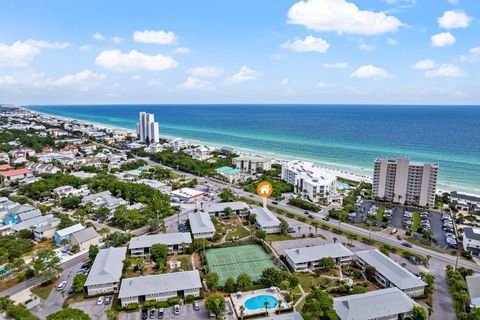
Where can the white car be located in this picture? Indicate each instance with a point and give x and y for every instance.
(100, 300)
(61, 285)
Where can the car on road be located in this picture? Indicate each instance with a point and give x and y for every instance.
(196, 306)
(153, 314)
(399, 237)
(100, 300)
(275, 202)
(306, 213)
(161, 313)
(406, 244)
(176, 309)
(107, 300)
(61, 285)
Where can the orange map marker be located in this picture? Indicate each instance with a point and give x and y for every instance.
(264, 189)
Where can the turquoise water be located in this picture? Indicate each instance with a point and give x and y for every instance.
(346, 137)
(258, 302)
(343, 185)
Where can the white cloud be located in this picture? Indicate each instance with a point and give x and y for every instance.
(85, 47)
(21, 53)
(443, 39)
(454, 19)
(473, 55)
(244, 74)
(205, 71)
(323, 84)
(336, 65)
(117, 40)
(454, 2)
(372, 72)
(98, 36)
(341, 16)
(153, 83)
(193, 83)
(81, 80)
(134, 60)
(136, 77)
(309, 44)
(366, 47)
(7, 80)
(156, 37)
(392, 42)
(424, 64)
(284, 81)
(445, 70)
(182, 50)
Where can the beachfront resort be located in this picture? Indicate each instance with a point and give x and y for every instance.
(131, 225)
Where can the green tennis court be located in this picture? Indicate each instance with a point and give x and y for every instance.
(231, 261)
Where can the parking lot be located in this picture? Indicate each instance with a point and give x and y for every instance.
(91, 308)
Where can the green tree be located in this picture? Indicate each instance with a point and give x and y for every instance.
(227, 195)
(79, 283)
(117, 239)
(159, 251)
(327, 263)
(271, 277)
(260, 234)
(244, 282)
(70, 202)
(418, 313)
(212, 280)
(230, 285)
(319, 305)
(215, 304)
(283, 226)
(69, 314)
(46, 263)
(92, 253)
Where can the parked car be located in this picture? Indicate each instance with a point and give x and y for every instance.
(153, 314)
(107, 300)
(176, 309)
(100, 300)
(196, 306)
(144, 314)
(61, 285)
(161, 313)
(291, 229)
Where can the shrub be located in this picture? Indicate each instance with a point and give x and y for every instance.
(173, 300)
(161, 304)
(149, 304)
(131, 307)
(189, 298)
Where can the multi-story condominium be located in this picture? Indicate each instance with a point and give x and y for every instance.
(391, 274)
(106, 271)
(388, 304)
(308, 258)
(140, 246)
(265, 220)
(401, 181)
(160, 287)
(471, 240)
(252, 165)
(147, 128)
(309, 180)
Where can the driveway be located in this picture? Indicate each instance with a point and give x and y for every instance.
(91, 308)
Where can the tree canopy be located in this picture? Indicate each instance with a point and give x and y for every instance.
(319, 305)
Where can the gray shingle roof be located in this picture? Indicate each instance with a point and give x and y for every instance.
(165, 238)
(221, 206)
(32, 222)
(473, 283)
(139, 286)
(395, 273)
(306, 254)
(107, 267)
(85, 235)
(264, 217)
(471, 234)
(47, 226)
(24, 216)
(22, 208)
(200, 222)
(373, 305)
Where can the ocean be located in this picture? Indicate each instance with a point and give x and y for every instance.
(346, 137)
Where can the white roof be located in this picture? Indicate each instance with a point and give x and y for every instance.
(264, 217)
(306, 254)
(187, 193)
(310, 171)
(168, 282)
(221, 206)
(152, 183)
(377, 304)
(395, 273)
(165, 238)
(107, 267)
(200, 222)
(70, 230)
(473, 283)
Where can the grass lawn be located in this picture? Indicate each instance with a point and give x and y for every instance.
(307, 281)
(185, 262)
(278, 237)
(43, 291)
(239, 233)
(380, 213)
(12, 281)
(415, 222)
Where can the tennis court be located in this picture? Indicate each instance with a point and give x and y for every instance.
(231, 261)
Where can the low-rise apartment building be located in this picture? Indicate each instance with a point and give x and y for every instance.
(471, 240)
(218, 209)
(106, 271)
(308, 258)
(265, 220)
(46, 231)
(140, 246)
(201, 225)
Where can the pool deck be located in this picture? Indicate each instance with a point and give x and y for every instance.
(239, 300)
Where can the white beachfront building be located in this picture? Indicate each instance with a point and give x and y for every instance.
(309, 181)
(252, 165)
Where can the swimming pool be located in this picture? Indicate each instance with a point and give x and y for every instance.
(342, 185)
(258, 302)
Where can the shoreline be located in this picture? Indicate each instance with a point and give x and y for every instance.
(343, 171)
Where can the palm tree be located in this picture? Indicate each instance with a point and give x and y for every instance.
(242, 309)
(334, 240)
(266, 304)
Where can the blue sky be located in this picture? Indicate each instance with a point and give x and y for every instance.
(311, 51)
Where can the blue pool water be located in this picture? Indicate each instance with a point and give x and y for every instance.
(258, 302)
(343, 185)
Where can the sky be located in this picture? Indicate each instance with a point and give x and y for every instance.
(248, 51)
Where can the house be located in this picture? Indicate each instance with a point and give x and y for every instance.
(391, 274)
(284, 316)
(65, 191)
(46, 231)
(265, 220)
(218, 209)
(104, 200)
(83, 175)
(465, 198)
(473, 283)
(160, 287)
(106, 271)
(471, 240)
(186, 194)
(252, 165)
(201, 225)
(5, 167)
(140, 246)
(33, 223)
(157, 185)
(231, 174)
(42, 168)
(13, 213)
(6, 177)
(308, 258)
(85, 238)
(27, 215)
(4, 157)
(388, 304)
(64, 234)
